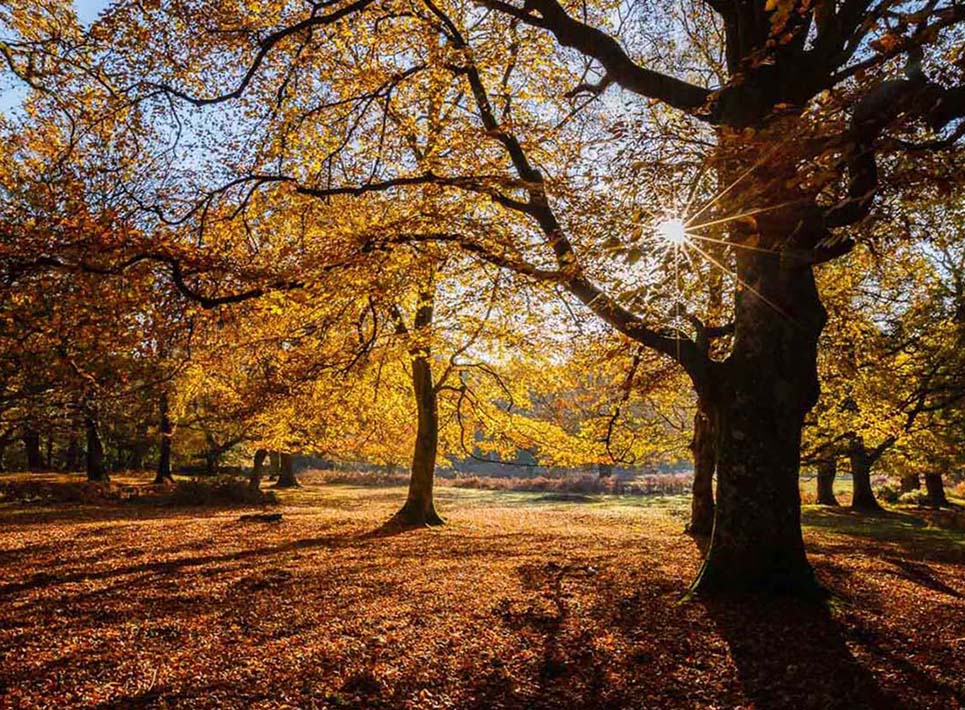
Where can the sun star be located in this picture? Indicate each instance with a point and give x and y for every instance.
(672, 231)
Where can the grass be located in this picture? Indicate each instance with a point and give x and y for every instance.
(522, 600)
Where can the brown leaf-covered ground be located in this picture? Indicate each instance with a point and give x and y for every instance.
(521, 601)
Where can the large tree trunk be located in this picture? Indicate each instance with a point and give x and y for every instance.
(31, 447)
(863, 497)
(936, 490)
(166, 430)
(258, 465)
(827, 470)
(96, 469)
(274, 465)
(286, 477)
(760, 396)
(704, 448)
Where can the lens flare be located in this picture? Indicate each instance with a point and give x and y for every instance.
(673, 231)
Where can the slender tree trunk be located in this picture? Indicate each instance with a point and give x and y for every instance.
(827, 470)
(863, 497)
(760, 396)
(31, 446)
(419, 508)
(254, 481)
(138, 448)
(166, 430)
(703, 445)
(96, 469)
(910, 482)
(936, 490)
(72, 455)
(286, 477)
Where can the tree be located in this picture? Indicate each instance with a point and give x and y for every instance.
(803, 175)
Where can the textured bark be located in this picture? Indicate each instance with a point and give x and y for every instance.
(96, 468)
(826, 473)
(762, 393)
(863, 497)
(257, 468)
(31, 448)
(936, 490)
(910, 482)
(166, 429)
(704, 448)
(286, 477)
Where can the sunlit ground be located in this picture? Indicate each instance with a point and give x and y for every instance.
(521, 600)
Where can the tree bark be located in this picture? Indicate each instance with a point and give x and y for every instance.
(760, 396)
(31, 447)
(286, 477)
(274, 464)
(703, 445)
(419, 508)
(910, 482)
(254, 481)
(827, 470)
(863, 497)
(936, 490)
(96, 469)
(166, 430)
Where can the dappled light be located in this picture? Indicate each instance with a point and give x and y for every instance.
(482, 354)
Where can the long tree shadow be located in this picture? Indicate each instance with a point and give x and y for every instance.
(792, 654)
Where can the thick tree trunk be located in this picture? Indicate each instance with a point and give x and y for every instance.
(96, 469)
(166, 430)
(910, 482)
(286, 477)
(274, 465)
(936, 490)
(419, 508)
(704, 448)
(760, 397)
(31, 447)
(258, 465)
(826, 472)
(863, 497)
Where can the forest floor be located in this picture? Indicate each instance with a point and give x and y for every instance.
(520, 601)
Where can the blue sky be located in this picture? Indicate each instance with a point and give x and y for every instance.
(87, 9)
(11, 94)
